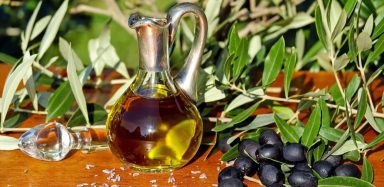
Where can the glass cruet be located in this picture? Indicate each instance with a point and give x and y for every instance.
(155, 126)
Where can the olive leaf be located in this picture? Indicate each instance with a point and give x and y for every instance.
(367, 172)
(341, 62)
(212, 12)
(76, 86)
(339, 25)
(349, 7)
(242, 99)
(231, 154)
(321, 30)
(368, 25)
(29, 83)
(318, 152)
(273, 62)
(40, 26)
(260, 120)
(338, 144)
(66, 50)
(362, 107)
(289, 68)
(97, 116)
(379, 29)
(363, 42)
(28, 31)
(11, 83)
(60, 101)
(286, 131)
(349, 145)
(7, 59)
(379, 138)
(378, 50)
(52, 29)
(312, 128)
(8, 143)
(325, 117)
(343, 181)
(352, 156)
(352, 87)
(239, 118)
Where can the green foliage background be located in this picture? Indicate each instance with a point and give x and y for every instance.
(249, 44)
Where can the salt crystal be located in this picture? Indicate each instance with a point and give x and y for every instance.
(195, 172)
(218, 168)
(115, 185)
(106, 185)
(96, 175)
(93, 184)
(171, 179)
(26, 170)
(89, 166)
(215, 185)
(122, 168)
(153, 181)
(154, 185)
(106, 171)
(203, 176)
(135, 174)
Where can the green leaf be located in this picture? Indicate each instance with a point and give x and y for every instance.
(228, 66)
(331, 133)
(66, 50)
(378, 50)
(363, 42)
(40, 26)
(367, 173)
(339, 25)
(349, 7)
(28, 30)
(76, 86)
(234, 39)
(53, 28)
(273, 62)
(212, 12)
(7, 59)
(341, 62)
(300, 44)
(60, 101)
(379, 29)
(371, 120)
(336, 95)
(239, 118)
(339, 181)
(325, 117)
(338, 144)
(352, 43)
(369, 25)
(320, 29)
(213, 94)
(260, 120)
(97, 116)
(318, 152)
(382, 102)
(349, 145)
(289, 68)
(241, 59)
(231, 154)
(352, 156)
(15, 120)
(305, 104)
(243, 99)
(254, 46)
(29, 83)
(12, 82)
(283, 111)
(361, 109)
(352, 87)
(375, 74)
(379, 138)
(311, 130)
(8, 143)
(286, 131)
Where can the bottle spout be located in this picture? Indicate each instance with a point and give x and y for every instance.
(136, 20)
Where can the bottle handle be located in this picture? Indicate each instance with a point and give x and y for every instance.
(187, 76)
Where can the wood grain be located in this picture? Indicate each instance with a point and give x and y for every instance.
(17, 169)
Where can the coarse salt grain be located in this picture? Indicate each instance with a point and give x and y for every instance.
(89, 166)
(135, 174)
(93, 184)
(115, 185)
(195, 172)
(26, 170)
(122, 168)
(203, 176)
(218, 168)
(215, 185)
(106, 171)
(153, 181)
(154, 185)
(171, 179)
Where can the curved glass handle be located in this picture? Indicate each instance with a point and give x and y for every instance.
(187, 77)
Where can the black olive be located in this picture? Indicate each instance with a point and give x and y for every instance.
(224, 146)
(268, 151)
(229, 173)
(269, 136)
(348, 170)
(302, 166)
(249, 146)
(270, 174)
(334, 160)
(231, 182)
(323, 168)
(294, 152)
(245, 165)
(302, 179)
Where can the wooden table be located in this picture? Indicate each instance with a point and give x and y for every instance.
(17, 169)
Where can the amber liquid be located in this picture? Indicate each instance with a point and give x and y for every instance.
(154, 134)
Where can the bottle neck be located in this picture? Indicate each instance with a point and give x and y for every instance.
(153, 84)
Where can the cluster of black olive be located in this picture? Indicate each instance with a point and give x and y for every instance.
(265, 156)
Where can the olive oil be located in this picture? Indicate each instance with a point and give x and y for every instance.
(154, 134)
